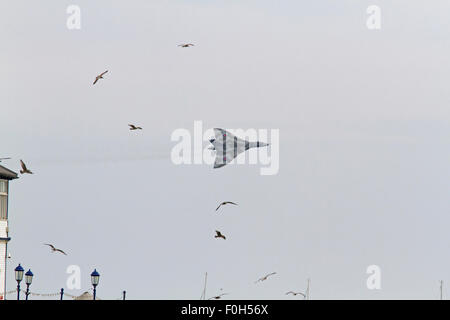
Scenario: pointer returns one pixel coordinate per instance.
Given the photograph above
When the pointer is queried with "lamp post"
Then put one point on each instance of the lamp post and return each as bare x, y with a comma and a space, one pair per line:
28, 280
19, 276
95, 277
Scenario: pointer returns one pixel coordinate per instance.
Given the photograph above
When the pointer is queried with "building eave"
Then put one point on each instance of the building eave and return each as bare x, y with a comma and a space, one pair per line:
7, 174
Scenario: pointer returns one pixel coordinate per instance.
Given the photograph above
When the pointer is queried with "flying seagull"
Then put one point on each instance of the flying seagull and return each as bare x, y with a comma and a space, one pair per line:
133, 127
219, 235
265, 277
228, 146
100, 76
4, 159
218, 297
296, 293
186, 45
24, 168
224, 203
55, 249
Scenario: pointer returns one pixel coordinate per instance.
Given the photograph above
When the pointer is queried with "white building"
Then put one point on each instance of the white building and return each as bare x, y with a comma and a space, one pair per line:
6, 175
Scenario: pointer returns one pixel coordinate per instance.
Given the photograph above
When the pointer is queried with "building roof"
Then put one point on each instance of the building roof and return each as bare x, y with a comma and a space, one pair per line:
7, 174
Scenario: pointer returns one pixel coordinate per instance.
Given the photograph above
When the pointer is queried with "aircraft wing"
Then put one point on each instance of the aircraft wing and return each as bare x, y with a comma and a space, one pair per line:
227, 146
223, 158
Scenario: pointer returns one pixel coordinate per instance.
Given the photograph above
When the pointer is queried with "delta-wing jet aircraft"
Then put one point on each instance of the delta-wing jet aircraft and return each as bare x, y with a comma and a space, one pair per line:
228, 146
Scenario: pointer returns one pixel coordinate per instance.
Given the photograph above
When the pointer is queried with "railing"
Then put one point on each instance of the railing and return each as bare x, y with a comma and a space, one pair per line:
5, 294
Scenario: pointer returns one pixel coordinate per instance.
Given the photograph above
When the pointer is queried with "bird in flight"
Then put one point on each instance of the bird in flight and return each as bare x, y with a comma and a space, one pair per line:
24, 168
100, 76
224, 203
133, 127
296, 293
55, 249
265, 277
186, 45
4, 159
219, 235
218, 297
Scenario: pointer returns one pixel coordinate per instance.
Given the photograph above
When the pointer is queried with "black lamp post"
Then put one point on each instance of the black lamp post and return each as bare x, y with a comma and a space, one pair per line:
19, 276
95, 277
28, 280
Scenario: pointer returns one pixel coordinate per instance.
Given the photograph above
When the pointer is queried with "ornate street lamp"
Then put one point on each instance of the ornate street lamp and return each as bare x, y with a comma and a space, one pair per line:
95, 277
19, 276
28, 280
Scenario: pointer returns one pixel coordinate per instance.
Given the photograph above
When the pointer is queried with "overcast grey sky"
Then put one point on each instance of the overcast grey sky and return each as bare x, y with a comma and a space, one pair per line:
364, 146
